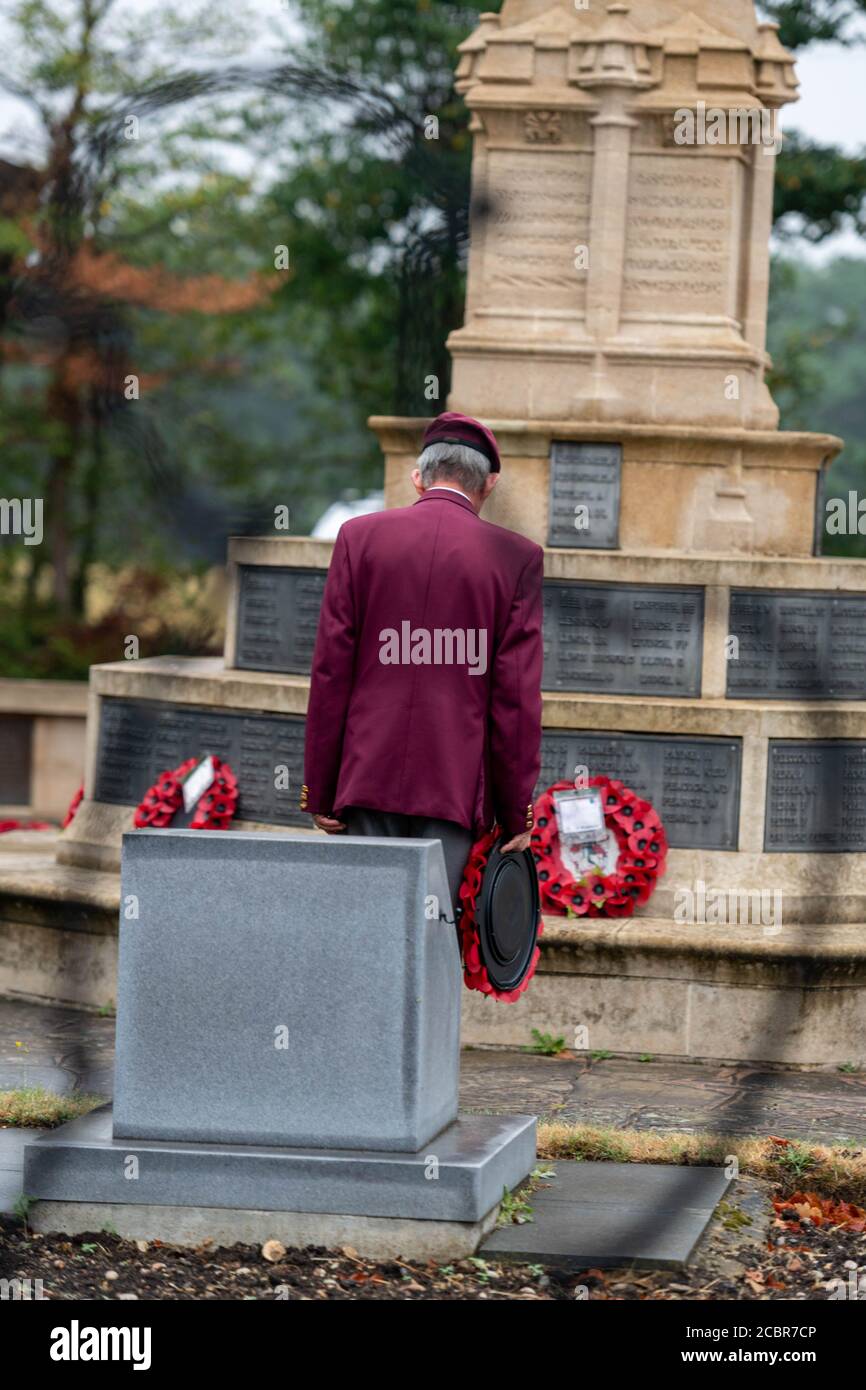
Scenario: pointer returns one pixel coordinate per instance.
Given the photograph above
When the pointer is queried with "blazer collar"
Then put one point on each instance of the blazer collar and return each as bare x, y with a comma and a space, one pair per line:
444, 495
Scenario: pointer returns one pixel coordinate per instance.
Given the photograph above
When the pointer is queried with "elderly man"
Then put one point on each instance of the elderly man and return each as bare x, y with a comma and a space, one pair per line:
425, 703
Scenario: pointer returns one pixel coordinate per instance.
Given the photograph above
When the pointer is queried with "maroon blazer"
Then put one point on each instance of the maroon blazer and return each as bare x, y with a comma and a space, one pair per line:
403, 721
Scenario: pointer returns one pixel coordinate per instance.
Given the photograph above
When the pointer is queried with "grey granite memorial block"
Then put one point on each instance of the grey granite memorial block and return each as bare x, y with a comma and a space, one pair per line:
286, 990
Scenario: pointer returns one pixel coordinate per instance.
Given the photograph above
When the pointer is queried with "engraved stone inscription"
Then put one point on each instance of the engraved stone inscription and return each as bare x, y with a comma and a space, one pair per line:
798, 646
816, 796
623, 639
278, 613
679, 236
694, 783
537, 214
139, 739
584, 495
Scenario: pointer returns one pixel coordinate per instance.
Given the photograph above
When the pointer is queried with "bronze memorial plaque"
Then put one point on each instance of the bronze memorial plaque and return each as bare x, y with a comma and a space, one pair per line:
139, 739
16, 740
278, 613
798, 646
693, 783
816, 796
584, 495
623, 639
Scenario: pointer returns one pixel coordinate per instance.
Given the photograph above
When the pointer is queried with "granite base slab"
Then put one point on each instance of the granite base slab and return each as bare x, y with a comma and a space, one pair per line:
374, 1237
458, 1176
603, 1214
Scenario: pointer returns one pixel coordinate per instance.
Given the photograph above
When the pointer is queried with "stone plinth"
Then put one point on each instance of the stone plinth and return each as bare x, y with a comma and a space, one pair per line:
692, 990
42, 733
243, 1018
614, 339
684, 489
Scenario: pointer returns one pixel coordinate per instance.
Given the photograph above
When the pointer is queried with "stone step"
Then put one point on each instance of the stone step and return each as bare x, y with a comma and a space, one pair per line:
208, 681
607, 566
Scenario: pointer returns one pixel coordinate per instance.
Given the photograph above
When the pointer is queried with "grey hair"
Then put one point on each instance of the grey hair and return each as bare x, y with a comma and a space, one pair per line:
454, 463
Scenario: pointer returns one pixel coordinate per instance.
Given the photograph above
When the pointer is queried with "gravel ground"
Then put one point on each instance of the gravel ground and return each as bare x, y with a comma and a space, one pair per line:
749, 1253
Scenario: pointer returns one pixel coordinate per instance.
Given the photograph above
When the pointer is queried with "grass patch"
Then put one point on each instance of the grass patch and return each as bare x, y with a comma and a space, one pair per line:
34, 1107
545, 1044
515, 1207
833, 1170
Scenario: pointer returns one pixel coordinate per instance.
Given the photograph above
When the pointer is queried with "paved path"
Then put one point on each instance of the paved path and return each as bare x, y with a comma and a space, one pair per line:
740, 1098
64, 1050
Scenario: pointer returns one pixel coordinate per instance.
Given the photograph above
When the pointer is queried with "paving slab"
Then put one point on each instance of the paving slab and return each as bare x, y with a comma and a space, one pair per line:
605, 1214
61, 1049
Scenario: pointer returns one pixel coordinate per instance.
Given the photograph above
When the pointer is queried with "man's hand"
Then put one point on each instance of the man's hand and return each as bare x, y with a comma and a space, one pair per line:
328, 824
515, 846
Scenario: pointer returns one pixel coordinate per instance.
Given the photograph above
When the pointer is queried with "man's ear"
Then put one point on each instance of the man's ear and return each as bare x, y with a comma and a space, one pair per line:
489, 484
416, 479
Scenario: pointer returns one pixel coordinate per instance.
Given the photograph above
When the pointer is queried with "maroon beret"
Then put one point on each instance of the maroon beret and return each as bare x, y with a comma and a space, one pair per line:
453, 428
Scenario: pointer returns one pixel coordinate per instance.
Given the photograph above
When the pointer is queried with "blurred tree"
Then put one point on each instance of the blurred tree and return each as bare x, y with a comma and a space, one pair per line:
802, 22
817, 335
819, 188
98, 79
381, 226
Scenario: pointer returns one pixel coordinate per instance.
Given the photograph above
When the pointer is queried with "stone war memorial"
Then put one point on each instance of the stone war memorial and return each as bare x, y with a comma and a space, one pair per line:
697, 647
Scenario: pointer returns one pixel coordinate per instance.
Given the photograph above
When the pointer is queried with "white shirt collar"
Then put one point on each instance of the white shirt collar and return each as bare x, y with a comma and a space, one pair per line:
443, 487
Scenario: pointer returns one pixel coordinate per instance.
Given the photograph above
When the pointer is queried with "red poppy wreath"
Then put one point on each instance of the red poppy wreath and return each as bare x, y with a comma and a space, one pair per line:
73, 808
214, 809
642, 846
474, 970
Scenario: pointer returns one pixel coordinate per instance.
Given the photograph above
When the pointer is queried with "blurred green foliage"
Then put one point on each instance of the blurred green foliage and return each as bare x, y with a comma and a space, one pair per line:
817, 337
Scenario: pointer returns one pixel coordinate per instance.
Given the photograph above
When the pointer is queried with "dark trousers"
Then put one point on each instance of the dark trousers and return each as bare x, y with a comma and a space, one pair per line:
456, 840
